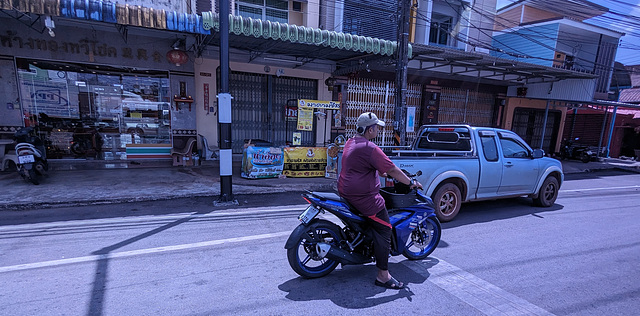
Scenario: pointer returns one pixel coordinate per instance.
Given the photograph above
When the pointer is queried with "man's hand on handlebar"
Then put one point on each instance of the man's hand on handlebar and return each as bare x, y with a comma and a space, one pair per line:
415, 184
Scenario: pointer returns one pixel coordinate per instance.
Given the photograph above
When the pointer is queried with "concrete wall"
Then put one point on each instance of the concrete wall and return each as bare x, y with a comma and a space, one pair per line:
530, 14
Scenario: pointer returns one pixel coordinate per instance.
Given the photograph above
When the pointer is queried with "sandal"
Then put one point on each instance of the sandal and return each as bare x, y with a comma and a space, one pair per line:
391, 284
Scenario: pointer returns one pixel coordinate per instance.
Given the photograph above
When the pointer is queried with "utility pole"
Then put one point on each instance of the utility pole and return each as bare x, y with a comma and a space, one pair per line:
224, 111
399, 124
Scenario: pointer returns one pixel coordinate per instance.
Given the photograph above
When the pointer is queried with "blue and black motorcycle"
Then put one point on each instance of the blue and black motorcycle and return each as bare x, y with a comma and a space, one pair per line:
316, 246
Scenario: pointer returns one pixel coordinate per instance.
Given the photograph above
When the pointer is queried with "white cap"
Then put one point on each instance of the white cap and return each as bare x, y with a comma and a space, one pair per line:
367, 119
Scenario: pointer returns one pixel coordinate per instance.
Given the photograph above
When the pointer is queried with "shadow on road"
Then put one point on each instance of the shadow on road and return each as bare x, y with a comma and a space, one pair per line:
96, 303
352, 286
596, 174
487, 211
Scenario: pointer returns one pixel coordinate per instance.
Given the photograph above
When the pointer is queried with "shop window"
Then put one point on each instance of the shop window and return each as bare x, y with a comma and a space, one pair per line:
83, 113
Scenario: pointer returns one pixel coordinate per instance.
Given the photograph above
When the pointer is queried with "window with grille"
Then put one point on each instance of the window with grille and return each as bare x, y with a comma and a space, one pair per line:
271, 10
440, 29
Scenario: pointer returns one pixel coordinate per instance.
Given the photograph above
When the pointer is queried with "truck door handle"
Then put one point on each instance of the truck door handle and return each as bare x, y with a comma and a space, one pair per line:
508, 164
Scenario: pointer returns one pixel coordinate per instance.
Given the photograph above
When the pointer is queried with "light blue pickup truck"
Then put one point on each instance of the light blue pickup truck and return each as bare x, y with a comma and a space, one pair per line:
460, 163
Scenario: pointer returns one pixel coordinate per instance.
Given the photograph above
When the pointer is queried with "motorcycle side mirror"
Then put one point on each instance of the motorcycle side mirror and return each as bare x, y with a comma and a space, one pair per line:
419, 173
538, 153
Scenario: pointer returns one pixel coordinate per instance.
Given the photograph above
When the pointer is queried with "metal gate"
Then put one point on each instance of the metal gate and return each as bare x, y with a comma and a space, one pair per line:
284, 89
258, 107
458, 106
366, 95
528, 124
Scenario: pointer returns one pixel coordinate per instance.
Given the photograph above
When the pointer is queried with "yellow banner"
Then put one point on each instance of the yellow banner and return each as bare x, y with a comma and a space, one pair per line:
332, 105
305, 161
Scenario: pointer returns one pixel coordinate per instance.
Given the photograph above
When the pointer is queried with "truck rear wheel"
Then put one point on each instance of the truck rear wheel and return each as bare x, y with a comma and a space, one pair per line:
447, 200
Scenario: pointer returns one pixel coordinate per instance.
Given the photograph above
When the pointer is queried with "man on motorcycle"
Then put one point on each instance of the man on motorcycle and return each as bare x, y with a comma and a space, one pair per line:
359, 184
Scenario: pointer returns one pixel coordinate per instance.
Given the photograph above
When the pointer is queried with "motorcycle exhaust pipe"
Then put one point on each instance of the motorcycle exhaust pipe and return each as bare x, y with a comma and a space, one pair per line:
40, 169
325, 250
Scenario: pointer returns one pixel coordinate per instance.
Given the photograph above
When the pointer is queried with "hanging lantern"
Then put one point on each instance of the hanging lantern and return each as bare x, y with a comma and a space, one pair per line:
177, 57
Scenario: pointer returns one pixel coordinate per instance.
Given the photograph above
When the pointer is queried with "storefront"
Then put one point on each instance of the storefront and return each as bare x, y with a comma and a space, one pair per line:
95, 93
84, 112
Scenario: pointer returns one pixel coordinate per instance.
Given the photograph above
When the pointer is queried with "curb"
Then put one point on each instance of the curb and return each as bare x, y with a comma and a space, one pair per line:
241, 192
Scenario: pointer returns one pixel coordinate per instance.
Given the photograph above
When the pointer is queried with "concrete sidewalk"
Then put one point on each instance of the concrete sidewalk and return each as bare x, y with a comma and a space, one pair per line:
91, 182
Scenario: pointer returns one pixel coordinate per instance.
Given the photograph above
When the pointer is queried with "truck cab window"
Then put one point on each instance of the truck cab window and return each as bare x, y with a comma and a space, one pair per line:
512, 149
489, 148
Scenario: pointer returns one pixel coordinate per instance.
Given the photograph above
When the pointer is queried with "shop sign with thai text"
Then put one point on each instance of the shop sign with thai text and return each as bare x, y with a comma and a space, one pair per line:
317, 104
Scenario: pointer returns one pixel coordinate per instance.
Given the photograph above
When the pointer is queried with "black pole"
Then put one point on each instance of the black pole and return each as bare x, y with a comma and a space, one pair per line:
224, 109
401, 70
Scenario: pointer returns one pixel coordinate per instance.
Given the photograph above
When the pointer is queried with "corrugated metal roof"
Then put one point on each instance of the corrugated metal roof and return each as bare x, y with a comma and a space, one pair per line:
471, 64
630, 95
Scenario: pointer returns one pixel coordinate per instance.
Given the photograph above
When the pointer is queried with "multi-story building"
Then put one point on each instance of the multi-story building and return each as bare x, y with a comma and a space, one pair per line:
554, 34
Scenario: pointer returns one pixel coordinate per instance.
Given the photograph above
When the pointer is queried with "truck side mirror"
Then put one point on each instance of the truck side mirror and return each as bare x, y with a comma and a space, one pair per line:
538, 153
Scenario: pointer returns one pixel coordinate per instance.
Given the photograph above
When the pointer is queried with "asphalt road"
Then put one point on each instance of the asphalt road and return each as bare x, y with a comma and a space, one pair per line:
185, 257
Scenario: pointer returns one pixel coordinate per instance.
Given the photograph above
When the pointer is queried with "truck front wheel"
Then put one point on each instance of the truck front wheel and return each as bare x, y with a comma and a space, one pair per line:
447, 200
548, 192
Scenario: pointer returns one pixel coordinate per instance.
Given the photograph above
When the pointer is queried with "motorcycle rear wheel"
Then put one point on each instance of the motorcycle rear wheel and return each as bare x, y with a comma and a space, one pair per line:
424, 239
33, 176
304, 259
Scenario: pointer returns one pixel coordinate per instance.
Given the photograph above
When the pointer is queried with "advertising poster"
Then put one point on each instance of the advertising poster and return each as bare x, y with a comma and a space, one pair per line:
331, 171
297, 139
305, 119
262, 162
305, 161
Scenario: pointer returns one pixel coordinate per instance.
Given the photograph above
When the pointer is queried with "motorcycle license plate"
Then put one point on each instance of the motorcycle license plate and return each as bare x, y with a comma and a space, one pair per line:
308, 214
26, 159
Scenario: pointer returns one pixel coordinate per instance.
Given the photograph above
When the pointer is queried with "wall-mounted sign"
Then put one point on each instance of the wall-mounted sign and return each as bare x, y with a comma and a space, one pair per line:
206, 96
317, 104
411, 119
292, 113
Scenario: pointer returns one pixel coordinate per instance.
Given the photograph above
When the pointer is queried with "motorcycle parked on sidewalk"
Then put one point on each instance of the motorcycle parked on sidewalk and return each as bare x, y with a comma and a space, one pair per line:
32, 158
317, 246
573, 150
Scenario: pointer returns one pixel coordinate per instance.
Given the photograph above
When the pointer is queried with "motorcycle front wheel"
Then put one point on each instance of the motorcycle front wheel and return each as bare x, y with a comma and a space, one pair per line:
424, 239
303, 257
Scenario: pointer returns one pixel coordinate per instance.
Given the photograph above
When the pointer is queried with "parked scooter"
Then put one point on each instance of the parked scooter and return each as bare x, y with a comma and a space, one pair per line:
316, 246
32, 157
572, 150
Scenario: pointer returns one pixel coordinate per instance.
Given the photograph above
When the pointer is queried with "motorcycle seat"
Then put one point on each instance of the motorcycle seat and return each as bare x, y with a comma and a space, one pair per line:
329, 196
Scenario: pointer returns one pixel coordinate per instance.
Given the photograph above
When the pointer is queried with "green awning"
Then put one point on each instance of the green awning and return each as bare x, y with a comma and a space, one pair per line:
239, 25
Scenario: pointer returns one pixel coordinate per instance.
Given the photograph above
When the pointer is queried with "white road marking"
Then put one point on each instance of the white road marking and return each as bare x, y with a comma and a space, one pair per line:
138, 252
148, 218
480, 294
600, 189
